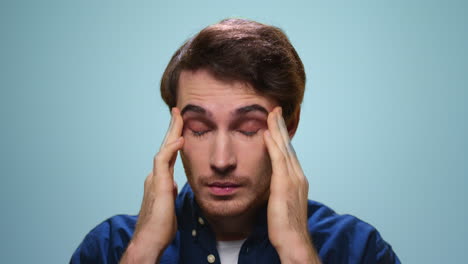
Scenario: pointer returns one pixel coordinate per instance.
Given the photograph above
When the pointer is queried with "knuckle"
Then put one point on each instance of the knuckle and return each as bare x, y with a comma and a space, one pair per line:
281, 158
303, 180
159, 157
306, 183
148, 179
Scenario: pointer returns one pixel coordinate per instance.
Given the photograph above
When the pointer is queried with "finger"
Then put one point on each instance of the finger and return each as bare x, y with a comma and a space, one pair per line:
274, 126
278, 160
283, 130
275, 132
168, 129
291, 153
163, 158
175, 128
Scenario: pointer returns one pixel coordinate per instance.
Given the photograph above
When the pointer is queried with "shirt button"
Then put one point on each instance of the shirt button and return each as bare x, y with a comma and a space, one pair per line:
194, 232
200, 220
211, 258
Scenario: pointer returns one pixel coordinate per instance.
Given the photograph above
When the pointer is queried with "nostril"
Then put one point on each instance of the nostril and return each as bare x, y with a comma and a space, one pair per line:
223, 170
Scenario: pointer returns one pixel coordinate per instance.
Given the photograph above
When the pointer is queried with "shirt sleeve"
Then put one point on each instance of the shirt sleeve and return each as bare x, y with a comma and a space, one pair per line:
347, 239
385, 254
107, 242
378, 251
92, 250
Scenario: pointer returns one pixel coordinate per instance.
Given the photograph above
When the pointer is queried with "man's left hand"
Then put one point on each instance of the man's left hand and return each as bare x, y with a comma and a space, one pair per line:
287, 205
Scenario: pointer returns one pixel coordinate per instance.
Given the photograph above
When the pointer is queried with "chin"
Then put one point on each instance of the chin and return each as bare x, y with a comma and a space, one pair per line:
224, 208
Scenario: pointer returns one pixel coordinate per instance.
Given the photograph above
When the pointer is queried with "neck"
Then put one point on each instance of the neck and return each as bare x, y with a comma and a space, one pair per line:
229, 228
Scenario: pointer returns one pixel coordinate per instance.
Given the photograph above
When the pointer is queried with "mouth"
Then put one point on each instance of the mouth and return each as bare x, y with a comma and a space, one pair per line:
223, 188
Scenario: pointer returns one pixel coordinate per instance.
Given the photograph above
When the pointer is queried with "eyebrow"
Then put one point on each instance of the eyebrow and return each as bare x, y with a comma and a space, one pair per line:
239, 111
193, 108
251, 108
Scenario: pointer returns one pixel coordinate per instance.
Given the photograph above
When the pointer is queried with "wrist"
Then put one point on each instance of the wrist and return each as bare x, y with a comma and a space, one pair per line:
298, 250
139, 251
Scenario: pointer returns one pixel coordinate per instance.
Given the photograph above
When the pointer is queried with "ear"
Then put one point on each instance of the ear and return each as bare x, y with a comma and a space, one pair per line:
293, 123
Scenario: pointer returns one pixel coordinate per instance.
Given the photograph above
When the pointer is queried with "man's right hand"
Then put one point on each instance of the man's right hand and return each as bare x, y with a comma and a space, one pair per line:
157, 222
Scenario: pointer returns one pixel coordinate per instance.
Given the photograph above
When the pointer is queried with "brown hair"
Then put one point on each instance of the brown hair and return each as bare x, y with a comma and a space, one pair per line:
242, 50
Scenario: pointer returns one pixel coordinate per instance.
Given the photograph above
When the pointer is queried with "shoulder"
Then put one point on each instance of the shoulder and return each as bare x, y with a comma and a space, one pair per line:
346, 238
106, 242
324, 220
118, 229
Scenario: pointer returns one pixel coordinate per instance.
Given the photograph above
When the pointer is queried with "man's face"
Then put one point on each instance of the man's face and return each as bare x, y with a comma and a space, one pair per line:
224, 154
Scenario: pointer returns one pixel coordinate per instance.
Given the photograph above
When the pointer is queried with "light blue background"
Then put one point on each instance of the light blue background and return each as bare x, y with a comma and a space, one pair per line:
383, 134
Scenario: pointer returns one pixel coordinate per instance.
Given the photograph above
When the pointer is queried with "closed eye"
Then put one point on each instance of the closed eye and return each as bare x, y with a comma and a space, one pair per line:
199, 133
250, 127
248, 133
197, 128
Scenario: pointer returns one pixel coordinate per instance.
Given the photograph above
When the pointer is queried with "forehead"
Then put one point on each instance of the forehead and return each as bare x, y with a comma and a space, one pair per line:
202, 89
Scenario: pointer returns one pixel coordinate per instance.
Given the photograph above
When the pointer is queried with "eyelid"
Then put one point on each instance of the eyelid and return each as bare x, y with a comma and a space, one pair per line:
251, 125
197, 127
249, 133
253, 122
199, 119
199, 133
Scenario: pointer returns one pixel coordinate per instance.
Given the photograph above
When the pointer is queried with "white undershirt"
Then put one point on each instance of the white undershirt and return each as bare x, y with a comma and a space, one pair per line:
229, 251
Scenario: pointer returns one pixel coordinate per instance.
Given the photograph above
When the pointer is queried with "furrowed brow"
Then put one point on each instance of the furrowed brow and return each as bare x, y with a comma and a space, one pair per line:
251, 108
193, 108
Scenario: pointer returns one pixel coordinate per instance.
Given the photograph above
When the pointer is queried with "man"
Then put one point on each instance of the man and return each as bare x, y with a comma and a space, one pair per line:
234, 91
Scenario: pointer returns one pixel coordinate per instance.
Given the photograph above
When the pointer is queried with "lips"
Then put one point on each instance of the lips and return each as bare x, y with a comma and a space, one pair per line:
223, 188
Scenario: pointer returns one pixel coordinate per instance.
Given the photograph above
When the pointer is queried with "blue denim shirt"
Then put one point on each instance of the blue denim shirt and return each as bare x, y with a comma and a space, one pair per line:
337, 238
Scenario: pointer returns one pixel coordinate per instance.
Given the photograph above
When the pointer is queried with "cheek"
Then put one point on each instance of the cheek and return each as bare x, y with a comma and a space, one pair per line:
254, 147
253, 156
195, 152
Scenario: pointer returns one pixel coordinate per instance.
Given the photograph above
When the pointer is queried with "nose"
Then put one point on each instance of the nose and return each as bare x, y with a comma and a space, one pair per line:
223, 159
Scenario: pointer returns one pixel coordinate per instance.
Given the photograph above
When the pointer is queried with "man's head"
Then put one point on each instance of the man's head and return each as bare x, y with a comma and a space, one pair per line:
245, 51
226, 79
